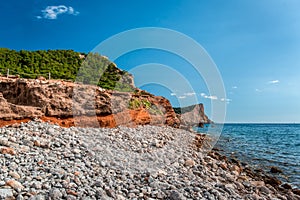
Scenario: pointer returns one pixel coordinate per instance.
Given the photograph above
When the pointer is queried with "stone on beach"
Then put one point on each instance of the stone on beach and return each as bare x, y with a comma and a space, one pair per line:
14, 174
15, 185
122, 163
189, 163
7, 150
6, 193
275, 170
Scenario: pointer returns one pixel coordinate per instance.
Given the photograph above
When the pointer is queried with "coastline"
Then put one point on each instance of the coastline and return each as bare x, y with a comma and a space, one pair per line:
43, 160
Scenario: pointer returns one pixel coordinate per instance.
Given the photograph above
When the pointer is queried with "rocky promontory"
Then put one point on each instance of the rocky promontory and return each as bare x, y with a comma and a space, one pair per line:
191, 116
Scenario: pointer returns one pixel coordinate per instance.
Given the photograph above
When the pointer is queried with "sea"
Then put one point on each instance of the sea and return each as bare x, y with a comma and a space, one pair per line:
262, 146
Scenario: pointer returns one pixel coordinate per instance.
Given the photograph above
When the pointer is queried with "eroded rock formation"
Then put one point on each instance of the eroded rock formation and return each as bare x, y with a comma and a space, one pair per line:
69, 104
192, 116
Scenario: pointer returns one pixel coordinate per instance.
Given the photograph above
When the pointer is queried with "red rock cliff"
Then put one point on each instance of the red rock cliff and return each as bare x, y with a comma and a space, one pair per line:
70, 104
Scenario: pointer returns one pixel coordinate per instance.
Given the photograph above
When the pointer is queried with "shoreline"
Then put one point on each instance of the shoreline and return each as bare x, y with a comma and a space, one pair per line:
261, 147
277, 173
160, 163
258, 173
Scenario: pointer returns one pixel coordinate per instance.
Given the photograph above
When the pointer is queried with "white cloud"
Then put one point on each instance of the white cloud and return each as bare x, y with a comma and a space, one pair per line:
173, 94
234, 87
211, 97
273, 81
190, 93
226, 100
258, 90
208, 96
51, 12
181, 97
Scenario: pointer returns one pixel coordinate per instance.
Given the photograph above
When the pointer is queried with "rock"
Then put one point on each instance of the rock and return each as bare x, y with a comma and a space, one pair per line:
20, 197
70, 197
239, 185
272, 181
257, 183
15, 185
110, 193
50, 131
175, 195
153, 174
275, 170
192, 116
286, 186
264, 189
161, 173
243, 178
46, 186
76, 173
6, 193
120, 197
72, 192
14, 175
2, 183
59, 101
7, 150
76, 151
103, 164
4, 142
159, 144
37, 197
189, 163
247, 184
235, 168
131, 195
296, 191
223, 166
55, 194
36, 185
37, 143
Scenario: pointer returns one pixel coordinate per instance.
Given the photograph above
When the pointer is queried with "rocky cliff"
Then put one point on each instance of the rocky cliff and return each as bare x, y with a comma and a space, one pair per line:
68, 104
192, 116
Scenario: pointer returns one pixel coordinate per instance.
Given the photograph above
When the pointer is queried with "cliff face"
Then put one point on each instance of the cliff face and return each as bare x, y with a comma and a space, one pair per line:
192, 116
69, 104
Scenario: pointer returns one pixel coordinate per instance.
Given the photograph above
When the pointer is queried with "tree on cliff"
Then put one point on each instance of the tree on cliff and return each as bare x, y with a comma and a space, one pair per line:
64, 64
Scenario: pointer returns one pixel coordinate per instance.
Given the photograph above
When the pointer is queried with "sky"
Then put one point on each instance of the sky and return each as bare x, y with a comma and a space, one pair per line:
254, 44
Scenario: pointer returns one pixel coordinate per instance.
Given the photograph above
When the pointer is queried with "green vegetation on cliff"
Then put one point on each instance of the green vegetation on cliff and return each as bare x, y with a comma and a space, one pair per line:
89, 68
136, 103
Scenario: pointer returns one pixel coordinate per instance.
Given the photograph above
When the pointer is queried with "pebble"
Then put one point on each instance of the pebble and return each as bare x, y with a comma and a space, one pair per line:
175, 195
2, 183
14, 175
37, 197
5, 193
189, 163
7, 150
15, 185
146, 162
36, 185
264, 190
55, 194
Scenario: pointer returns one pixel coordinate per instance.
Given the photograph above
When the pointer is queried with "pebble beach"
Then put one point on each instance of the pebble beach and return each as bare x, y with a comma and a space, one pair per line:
40, 161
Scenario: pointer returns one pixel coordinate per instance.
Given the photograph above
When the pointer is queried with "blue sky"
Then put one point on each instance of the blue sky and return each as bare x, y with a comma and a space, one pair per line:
255, 44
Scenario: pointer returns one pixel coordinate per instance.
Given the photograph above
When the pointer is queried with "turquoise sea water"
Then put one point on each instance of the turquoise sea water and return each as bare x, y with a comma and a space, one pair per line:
264, 145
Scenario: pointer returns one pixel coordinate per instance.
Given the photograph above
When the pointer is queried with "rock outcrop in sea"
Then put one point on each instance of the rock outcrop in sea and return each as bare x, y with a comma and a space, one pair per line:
191, 116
